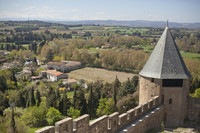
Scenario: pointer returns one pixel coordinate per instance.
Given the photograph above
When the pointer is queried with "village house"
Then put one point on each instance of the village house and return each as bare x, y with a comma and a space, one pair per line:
36, 78
56, 65
69, 81
53, 75
27, 69
10, 65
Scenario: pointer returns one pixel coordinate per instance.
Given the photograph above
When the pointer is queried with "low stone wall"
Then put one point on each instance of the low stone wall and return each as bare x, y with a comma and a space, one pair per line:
108, 124
194, 109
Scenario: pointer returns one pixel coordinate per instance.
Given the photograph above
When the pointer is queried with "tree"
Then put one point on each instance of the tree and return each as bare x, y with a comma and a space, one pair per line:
31, 97
106, 107
81, 102
49, 56
134, 82
197, 93
20, 100
74, 113
51, 100
4, 102
53, 116
75, 98
35, 116
57, 94
126, 103
38, 98
64, 104
3, 84
91, 103
116, 87
12, 123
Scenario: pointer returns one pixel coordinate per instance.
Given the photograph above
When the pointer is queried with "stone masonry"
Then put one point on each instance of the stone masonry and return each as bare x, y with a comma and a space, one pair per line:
147, 116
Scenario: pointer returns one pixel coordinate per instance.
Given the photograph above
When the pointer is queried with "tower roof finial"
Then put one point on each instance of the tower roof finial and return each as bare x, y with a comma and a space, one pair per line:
167, 23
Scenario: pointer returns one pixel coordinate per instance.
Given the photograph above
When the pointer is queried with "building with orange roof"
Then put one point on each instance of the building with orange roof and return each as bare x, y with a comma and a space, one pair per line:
53, 75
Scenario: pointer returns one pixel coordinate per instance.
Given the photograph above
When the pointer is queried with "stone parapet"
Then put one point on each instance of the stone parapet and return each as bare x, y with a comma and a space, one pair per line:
107, 124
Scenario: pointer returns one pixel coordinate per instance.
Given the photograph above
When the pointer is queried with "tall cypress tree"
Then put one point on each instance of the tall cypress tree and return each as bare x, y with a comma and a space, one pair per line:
31, 97
64, 104
82, 104
116, 86
51, 100
75, 98
57, 94
91, 103
38, 98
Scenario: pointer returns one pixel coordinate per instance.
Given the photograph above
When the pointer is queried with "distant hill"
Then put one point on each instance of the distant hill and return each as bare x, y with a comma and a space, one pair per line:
135, 23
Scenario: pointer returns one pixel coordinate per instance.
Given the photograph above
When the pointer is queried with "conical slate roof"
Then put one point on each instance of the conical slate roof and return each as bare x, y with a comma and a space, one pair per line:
165, 62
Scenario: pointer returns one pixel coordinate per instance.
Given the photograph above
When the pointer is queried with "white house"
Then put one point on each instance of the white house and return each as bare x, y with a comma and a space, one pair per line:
53, 75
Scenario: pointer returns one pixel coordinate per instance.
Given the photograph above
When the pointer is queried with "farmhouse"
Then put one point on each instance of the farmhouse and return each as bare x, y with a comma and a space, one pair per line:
53, 75
56, 65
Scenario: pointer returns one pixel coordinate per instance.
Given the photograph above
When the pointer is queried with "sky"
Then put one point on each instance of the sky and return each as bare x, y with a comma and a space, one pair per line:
184, 11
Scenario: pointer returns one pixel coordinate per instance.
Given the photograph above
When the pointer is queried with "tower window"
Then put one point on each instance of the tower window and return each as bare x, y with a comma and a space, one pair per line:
152, 80
170, 101
172, 83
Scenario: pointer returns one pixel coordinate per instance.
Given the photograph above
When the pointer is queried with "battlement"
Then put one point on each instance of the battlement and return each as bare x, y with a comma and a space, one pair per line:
104, 124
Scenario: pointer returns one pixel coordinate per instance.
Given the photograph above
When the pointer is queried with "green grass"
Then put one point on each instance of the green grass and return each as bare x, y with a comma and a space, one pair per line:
32, 130
87, 28
70, 94
94, 50
190, 55
128, 30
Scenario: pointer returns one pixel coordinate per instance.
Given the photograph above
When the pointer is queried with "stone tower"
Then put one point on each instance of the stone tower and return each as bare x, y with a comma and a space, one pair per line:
165, 75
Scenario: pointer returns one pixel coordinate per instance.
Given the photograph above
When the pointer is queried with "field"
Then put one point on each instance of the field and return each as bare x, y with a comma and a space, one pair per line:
190, 55
94, 74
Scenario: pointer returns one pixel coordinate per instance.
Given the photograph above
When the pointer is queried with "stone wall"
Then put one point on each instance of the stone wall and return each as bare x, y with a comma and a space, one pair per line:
149, 88
110, 123
194, 109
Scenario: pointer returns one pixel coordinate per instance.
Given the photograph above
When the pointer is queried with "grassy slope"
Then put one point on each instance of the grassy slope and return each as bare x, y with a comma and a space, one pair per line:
94, 74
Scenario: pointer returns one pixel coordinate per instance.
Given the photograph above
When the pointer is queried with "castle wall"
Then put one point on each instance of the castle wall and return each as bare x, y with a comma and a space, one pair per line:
148, 89
148, 121
112, 123
194, 109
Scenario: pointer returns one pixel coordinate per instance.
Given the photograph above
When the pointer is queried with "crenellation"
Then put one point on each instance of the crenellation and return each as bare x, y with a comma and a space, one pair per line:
131, 115
64, 125
113, 122
99, 125
123, 120
106, 124
81, 124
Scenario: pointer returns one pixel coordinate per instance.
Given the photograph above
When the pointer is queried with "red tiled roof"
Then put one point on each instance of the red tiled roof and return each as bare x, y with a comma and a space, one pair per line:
70, 80
54, 72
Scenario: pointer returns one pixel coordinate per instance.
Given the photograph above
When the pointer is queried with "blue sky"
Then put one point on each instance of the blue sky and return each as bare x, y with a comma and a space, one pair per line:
153, 10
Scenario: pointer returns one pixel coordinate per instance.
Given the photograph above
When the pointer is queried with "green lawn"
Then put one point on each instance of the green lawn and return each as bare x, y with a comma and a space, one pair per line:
70, 94
190, 55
